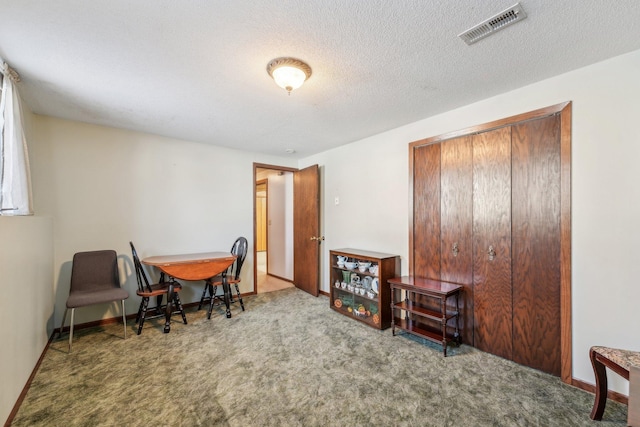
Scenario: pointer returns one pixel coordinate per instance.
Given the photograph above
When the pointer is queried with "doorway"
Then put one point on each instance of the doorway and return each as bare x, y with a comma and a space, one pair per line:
273, 189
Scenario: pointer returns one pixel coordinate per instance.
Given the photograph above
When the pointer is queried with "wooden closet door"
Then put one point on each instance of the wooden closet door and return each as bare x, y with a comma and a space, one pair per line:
492, 233
536, 243
426, 219
456, 204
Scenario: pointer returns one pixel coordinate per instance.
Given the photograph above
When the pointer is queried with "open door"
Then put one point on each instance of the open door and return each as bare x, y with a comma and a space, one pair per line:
306, 230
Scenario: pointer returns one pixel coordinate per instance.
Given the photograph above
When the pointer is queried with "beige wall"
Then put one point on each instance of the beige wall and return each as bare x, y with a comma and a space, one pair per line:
105, 187
26, 307
371, 179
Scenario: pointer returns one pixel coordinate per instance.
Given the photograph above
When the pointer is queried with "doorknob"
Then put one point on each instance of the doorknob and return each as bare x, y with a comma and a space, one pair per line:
491, 253
319, 238
455, 249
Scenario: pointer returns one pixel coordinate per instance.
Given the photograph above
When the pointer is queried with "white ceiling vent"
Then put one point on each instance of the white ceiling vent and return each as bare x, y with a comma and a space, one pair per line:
493, 24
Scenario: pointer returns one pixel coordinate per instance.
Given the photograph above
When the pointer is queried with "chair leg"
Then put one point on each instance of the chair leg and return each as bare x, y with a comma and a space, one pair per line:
226, 289
139, 311
239, 297
213, 291
210, 309
601, 387
124, 320
144, 303
176, 300
64, 317
73, 311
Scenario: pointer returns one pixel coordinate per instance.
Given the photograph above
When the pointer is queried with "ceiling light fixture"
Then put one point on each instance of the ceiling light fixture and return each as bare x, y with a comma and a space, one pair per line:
288, 73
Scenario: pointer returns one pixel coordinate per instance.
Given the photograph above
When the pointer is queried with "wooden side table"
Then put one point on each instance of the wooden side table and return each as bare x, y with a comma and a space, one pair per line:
429, 321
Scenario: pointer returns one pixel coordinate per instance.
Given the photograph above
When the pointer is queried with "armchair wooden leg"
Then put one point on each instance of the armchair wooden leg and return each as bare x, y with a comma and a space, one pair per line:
601, 387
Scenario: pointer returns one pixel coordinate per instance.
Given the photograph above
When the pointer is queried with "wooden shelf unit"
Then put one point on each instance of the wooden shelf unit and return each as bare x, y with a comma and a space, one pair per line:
426, 308
375, 312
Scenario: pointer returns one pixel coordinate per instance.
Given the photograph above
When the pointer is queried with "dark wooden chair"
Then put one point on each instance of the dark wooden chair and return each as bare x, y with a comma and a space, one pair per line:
94, 280
619, 361
157, 290
229, 277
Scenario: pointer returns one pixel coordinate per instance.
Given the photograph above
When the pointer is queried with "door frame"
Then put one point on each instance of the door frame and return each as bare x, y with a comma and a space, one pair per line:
266, 218
257, 166
565, 111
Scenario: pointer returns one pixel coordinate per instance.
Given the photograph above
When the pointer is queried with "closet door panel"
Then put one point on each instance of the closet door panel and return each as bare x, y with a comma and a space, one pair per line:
536, 243
492, 242
426, 202
456, 178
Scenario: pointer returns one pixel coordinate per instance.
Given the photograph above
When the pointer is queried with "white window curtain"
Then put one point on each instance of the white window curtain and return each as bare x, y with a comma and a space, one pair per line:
15, 177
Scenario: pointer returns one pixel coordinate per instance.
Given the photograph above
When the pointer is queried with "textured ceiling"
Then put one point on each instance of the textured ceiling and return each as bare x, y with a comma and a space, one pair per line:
196, 70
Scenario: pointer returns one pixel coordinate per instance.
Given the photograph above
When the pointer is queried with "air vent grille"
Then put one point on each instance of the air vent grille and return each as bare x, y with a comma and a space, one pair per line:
493, 24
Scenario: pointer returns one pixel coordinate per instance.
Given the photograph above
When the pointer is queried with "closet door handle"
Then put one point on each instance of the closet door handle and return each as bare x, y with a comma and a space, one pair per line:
491, 253
455, 249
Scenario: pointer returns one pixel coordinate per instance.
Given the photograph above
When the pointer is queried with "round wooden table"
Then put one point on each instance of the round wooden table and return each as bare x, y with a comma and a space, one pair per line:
197, 266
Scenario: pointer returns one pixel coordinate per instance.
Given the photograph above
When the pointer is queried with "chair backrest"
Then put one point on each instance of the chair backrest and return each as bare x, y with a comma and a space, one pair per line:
94, 270
239, 249
141, 277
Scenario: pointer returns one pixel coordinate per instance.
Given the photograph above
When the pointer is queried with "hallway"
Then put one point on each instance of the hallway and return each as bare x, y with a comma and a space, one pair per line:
268, 283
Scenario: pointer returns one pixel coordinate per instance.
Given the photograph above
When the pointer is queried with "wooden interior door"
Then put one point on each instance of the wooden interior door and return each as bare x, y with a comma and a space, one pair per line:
492, 242
306, 230
456, 222
426, 211
536, 243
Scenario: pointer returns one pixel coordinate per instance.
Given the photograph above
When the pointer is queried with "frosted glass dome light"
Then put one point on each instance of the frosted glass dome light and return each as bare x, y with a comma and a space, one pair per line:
288, 73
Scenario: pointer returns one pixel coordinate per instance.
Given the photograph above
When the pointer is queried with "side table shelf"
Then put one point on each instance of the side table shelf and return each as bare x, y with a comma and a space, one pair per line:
426, 310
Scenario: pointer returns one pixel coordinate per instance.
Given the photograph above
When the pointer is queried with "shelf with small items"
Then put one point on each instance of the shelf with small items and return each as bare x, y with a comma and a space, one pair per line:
426, 309
358, 285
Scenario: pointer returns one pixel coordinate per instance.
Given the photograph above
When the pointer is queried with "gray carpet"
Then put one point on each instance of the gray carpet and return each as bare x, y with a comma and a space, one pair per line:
289, 361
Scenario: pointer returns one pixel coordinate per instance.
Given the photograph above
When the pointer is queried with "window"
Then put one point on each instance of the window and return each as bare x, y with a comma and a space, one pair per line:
15, 178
